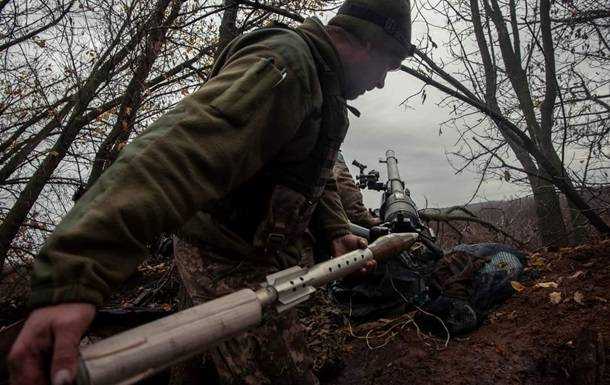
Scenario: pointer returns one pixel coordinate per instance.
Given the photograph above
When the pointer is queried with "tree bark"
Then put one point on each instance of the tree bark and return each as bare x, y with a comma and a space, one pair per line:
551, 227
228, 29
9, 146
134, 93
17, 160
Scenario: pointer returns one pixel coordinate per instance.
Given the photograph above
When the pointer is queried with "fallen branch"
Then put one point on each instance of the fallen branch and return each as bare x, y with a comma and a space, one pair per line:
460, 218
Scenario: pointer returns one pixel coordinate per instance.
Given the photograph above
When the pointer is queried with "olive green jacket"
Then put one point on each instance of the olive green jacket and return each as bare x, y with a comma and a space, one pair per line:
351, 197
262, 104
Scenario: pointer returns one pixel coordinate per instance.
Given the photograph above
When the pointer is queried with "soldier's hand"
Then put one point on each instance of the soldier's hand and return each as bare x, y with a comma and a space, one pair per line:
350, 242
49, 340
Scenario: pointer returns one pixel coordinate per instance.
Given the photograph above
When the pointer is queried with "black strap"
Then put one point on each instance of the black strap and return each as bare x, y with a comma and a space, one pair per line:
353, 110
389, 25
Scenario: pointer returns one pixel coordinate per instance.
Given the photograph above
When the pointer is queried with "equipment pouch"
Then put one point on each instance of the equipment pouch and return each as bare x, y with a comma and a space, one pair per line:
287, 219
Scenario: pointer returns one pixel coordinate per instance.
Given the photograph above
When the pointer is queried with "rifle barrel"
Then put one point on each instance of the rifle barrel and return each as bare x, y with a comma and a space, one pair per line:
394, 180
398, 208
359, 230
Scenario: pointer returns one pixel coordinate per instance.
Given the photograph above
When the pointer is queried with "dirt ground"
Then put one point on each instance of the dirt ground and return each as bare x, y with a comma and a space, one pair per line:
555, 330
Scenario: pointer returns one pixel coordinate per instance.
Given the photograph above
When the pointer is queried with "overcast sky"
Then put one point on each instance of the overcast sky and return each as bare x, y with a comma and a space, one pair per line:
414, 134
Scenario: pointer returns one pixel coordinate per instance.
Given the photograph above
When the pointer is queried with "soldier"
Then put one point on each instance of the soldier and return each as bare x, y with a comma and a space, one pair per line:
351, 197
459, 289
240, 168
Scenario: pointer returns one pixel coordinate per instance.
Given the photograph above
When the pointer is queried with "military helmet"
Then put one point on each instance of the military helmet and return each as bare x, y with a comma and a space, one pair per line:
384, 23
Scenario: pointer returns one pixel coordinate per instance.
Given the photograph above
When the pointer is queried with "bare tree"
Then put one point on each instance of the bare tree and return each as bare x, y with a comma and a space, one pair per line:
505, 64
45, 16
85, 78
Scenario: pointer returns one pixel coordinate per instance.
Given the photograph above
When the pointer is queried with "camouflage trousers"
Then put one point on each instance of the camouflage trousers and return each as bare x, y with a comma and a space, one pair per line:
273, 353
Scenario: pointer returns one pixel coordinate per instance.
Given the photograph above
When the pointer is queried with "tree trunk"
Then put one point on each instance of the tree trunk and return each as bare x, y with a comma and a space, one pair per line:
549, 217
21, 156
551, 225
228, 29
578, 225
134, 94
578, 230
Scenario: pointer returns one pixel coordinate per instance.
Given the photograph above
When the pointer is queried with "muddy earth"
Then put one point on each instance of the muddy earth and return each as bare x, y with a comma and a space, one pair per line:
555, 330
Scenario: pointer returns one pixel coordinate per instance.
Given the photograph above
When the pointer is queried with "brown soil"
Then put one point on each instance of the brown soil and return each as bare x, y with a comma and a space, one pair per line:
528, 340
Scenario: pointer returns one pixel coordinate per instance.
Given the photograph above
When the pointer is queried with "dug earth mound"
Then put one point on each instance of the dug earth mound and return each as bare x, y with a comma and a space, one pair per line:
554, 330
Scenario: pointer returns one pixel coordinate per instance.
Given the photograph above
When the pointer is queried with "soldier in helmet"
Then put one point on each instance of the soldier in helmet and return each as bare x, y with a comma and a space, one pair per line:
238, 169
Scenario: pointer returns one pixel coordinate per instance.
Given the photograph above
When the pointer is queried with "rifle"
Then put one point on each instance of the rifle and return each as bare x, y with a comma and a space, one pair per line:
397, 211
138, 353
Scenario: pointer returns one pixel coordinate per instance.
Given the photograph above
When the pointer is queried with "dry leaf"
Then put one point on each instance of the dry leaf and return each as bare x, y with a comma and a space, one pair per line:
537, 260
500, 349
555, 297
576, 275
547, 285
579, 297
517, 286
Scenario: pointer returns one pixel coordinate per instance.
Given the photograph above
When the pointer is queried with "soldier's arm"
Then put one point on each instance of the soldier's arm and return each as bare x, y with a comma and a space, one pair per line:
211, 142
330, 218
350, 195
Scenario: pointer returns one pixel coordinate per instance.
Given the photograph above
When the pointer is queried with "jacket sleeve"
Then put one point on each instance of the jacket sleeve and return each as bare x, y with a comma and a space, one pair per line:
214, 139
350, 195
329, 217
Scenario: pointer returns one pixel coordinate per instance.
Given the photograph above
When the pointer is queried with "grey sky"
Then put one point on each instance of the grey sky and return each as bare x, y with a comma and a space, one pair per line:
414, 135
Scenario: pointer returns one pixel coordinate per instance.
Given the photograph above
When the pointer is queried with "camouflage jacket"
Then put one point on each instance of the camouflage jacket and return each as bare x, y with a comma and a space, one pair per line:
262, 105
350, 194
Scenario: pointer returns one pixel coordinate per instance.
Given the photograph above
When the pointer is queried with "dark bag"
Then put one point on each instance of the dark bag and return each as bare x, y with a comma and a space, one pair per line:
395, 286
